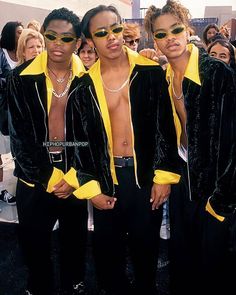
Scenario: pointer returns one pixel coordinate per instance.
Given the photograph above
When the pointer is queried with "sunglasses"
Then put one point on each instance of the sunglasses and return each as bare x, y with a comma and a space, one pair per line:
163, 34
101, 33
55, 37
131, 42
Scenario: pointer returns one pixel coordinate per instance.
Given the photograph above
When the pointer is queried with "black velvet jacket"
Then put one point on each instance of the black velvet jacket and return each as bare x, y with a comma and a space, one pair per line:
211, 132
28, 121
155, 143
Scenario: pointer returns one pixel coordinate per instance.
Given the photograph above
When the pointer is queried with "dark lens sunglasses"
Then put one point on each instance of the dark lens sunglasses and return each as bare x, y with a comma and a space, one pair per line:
161, 34
131, 42
63, 38
104, 32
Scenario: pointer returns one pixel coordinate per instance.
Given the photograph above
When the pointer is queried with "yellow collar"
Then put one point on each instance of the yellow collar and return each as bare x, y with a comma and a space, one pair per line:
39, 65
192, 70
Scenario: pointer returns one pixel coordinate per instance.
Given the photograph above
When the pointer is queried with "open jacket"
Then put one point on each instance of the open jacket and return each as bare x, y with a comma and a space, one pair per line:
153, 132
210, 100
29, 93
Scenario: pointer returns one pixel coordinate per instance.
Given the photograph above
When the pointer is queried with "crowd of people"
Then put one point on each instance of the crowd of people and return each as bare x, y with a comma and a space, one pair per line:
110, 137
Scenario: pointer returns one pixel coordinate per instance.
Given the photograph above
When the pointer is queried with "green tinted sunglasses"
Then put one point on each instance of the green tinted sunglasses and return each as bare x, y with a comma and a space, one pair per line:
55, 37
163, 34
101, 33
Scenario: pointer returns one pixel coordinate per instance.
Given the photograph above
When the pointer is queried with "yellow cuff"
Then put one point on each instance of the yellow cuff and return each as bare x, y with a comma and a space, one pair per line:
88, 190
71, 178
165, 177
210, 210
56, 177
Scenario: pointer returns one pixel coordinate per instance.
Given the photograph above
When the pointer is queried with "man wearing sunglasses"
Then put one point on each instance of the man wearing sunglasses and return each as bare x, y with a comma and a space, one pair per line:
40, 93
202, 205
131, 158
132, 35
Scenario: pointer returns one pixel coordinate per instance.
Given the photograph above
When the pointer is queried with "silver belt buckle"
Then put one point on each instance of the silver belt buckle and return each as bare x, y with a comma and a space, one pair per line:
60, 159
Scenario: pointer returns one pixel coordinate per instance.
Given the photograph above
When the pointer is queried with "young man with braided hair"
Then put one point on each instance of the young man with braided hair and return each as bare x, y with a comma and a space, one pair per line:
202, 205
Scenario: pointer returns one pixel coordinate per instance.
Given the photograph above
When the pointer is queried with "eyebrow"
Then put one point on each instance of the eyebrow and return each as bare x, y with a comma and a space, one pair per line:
107, 27
63, 33
172, 26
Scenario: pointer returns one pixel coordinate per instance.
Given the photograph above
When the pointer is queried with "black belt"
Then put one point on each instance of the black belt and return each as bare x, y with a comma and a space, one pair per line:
57, 157
123, 162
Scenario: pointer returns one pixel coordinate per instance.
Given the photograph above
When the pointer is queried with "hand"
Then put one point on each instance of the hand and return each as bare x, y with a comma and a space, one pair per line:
63, 190
103, 202
149, 53
159, 194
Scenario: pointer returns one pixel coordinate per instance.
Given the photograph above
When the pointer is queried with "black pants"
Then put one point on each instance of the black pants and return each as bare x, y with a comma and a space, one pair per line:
132, 223
38, 212
200, 260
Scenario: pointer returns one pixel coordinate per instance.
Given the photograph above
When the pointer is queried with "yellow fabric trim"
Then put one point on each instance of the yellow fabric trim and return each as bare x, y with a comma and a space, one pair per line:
39, 66
88, 190
192, 73
57, 176
210, 210
27, 183
178, 128
165, 177
192, 69
71, 178
95, 74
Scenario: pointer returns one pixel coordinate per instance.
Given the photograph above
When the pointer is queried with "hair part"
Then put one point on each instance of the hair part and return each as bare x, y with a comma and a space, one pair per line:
171, 7
85, 24
63, 14
8, 35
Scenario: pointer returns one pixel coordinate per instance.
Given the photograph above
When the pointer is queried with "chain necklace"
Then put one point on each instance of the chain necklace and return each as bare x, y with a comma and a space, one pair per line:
115, 90
60, 95
173, 90
59, 80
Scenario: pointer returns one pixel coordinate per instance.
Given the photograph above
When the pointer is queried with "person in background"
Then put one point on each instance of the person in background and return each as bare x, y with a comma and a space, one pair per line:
132, 35
202, 206
39, 93
8, 60
223, 50
34, 25
87, 54
209, 32
9, 40
30, 44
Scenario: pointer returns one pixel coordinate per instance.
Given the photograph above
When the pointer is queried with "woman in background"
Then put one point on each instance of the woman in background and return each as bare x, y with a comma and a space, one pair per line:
30, 44
87, 54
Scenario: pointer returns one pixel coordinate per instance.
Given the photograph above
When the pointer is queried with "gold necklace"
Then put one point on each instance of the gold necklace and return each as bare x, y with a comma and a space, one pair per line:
173, 89
115, 90
59, 80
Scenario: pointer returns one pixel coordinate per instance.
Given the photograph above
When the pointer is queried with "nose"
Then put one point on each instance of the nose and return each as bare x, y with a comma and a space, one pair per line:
111, 35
